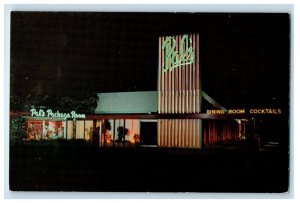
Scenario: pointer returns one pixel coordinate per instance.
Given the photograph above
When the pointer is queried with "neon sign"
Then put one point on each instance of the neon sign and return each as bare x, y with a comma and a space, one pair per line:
50, 114
185, 56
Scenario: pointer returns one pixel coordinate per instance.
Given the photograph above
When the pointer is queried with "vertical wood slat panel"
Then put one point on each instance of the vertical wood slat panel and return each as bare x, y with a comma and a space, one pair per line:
185, 135
176, 110
183, 79
166, 89
169, 132
194, 78
180, 83
169, 85
162, 80
194, 133
172, 90
173, 133
182, 132
182, 68
186, 79
179, 133
179, 92
190, 83
165, 122
197, 76
191, 133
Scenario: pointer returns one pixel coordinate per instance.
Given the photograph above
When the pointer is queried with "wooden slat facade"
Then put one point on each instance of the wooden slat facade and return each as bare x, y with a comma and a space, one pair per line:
179, 93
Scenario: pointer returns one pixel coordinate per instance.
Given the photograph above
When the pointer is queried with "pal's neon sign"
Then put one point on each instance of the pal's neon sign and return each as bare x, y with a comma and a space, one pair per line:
51, 114
184, 56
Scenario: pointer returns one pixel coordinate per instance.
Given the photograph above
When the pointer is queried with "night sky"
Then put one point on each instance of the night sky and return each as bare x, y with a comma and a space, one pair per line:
244, 57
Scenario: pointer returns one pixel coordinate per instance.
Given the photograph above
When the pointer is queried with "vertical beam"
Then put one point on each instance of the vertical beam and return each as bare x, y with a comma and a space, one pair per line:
166, 91
198, 88
194, 133
179, 132
186, 132
182, 132
169, 132
179, 83
175, 133
176, 80
169, 85
162, 131
191, 133
163, 81
186, 84
172, 87
172, 132
183, 88
194, 78
166, 132
190, 82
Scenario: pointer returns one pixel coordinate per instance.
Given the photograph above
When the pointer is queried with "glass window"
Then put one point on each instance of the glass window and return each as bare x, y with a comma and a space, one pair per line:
88, 130
70, 130
34, 129
120, 132
132, 130
45, 129
107, 130
54, 129
79, 129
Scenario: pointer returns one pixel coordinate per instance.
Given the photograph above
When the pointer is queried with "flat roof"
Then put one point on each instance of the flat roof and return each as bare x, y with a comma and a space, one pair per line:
127, 102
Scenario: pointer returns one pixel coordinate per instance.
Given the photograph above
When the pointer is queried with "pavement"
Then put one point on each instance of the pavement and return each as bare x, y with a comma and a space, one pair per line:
79, 166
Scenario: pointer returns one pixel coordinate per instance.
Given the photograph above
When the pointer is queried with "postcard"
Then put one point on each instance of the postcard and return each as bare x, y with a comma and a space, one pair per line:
149, 102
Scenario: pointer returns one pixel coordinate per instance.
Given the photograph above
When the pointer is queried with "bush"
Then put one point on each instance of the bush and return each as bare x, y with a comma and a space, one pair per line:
17, 129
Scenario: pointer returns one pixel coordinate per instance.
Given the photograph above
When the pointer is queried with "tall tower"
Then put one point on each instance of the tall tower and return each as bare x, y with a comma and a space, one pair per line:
179, 90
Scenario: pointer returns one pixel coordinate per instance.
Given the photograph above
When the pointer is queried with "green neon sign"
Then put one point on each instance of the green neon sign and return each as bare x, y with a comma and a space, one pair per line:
185, 56
51, 114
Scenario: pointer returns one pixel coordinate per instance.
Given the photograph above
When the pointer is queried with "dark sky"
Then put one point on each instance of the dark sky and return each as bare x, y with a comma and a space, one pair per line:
244, 57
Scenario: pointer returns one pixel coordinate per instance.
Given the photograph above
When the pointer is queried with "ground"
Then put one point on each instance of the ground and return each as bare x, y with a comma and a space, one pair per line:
79, 166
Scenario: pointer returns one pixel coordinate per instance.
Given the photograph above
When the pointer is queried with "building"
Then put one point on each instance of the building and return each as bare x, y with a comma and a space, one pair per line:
122, 120
171, 117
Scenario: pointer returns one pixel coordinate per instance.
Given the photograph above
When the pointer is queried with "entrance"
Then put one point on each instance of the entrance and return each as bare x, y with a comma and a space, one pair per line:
148, 133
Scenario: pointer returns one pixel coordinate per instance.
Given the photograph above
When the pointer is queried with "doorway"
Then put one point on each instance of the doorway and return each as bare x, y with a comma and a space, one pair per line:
148, 133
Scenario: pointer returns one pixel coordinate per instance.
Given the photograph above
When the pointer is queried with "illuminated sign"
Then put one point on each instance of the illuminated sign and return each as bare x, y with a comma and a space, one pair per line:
185, 56
50, 114
243, 111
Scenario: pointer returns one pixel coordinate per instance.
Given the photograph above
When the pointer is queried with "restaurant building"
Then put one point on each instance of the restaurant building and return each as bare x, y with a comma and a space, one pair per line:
173, 116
